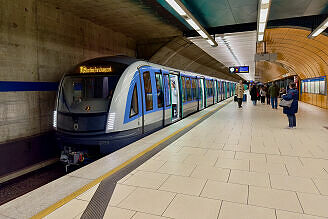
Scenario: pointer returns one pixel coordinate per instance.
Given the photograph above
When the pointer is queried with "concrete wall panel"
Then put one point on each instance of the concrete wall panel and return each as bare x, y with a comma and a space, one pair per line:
39, 42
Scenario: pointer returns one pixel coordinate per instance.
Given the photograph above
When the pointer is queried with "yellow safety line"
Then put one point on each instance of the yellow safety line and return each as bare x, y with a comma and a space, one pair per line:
78, 192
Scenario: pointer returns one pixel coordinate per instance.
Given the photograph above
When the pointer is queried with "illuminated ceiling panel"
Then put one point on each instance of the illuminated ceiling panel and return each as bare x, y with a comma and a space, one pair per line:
241, 52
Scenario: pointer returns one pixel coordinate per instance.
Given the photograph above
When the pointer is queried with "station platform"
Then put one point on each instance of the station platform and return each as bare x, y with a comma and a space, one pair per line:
222, 162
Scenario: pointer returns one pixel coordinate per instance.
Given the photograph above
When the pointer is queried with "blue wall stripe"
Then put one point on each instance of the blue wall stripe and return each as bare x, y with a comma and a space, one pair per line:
8, 86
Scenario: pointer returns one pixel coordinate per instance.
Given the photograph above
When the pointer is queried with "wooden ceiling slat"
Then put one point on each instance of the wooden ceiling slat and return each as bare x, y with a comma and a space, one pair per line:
307, 57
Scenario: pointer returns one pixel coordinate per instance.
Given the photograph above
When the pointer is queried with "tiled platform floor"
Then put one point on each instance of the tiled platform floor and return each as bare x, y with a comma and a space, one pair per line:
239, 163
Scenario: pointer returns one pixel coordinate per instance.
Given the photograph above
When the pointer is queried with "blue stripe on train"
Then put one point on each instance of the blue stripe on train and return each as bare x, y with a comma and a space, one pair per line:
9, 86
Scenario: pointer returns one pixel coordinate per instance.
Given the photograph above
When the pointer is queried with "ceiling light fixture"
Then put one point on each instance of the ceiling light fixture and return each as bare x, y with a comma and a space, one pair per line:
262, 18
179, 7
226, 43
260, 37
193, 24
176, 7
200, 32
322, 27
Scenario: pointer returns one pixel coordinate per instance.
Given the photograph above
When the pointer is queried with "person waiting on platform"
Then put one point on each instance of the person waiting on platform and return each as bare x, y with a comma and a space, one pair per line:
274, 92
262, 94
267, 94
253, 92
292, 94
240, 93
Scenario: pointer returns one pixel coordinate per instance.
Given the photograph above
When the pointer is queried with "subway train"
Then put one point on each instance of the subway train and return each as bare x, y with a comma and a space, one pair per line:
106, 103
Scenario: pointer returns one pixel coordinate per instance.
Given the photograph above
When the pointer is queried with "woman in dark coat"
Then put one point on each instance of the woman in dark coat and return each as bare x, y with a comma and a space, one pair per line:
292, 94
253, 92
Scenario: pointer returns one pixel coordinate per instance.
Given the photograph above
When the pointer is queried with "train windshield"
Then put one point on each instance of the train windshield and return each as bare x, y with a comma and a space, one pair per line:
87, 94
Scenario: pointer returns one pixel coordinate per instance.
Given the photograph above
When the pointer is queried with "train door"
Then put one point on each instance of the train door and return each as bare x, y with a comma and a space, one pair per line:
221, 90
175, 97
225, 90
160, 109
202, 93
167, 99
216, 91
213, 90
152, 99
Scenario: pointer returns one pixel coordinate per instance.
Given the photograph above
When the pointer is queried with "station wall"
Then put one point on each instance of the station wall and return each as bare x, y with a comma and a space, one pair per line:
39, 43
315, 99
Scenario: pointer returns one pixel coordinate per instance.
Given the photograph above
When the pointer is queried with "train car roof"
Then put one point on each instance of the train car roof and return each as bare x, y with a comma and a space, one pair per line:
126, 60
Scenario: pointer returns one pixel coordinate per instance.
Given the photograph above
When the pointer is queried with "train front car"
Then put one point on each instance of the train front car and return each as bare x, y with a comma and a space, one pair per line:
82, 118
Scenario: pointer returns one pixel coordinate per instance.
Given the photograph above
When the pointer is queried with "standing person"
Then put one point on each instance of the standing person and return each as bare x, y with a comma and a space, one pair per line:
292, 94
274, 93
262, 94
174, 100
267, 94
240, 93
253, 92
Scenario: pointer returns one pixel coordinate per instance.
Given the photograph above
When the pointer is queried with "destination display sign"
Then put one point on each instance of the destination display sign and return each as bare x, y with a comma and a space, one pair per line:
239, 69
87, 69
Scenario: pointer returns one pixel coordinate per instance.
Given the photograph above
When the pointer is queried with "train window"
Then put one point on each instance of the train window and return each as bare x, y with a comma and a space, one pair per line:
188, 86
77, 92
148, 91
183, 81
208, 88
134, 102
167, 90
159, 88
194, 89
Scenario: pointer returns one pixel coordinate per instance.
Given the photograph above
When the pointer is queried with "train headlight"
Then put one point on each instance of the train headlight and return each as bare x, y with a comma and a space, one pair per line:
54, 123
110, 122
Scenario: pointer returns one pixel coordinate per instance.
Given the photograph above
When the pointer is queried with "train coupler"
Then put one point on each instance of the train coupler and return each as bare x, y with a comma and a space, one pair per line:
70, 157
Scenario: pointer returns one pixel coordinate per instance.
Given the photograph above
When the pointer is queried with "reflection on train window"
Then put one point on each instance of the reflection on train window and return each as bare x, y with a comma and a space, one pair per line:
148, 91
194, 89
86, 94
209, 86
134, 102
159, 88
183, 81
188, 86
167, 90
217, 90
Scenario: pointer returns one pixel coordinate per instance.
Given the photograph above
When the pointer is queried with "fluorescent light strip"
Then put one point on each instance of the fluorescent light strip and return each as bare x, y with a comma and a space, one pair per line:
225, 42
175, 4
263, 15
210, 42
200, 32
325, 25
261, 27
262, 18
176, 7
193, 24
260, 37
322, 27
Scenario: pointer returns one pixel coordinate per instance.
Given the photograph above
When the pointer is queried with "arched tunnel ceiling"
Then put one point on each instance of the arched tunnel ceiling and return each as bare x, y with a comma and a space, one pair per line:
297, 54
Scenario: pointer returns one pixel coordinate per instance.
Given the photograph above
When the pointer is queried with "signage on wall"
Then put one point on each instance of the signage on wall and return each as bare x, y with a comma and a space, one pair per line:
239, 69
